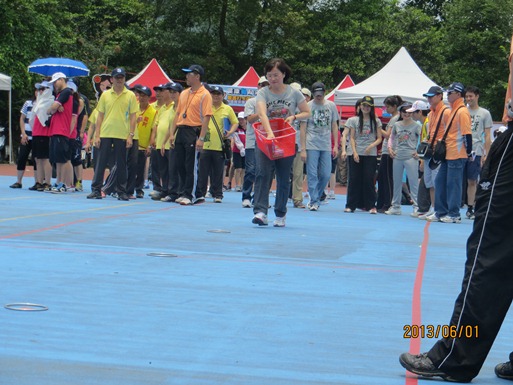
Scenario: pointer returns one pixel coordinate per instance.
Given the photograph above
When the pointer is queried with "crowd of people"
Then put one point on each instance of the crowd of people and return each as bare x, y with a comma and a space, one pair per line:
186, 139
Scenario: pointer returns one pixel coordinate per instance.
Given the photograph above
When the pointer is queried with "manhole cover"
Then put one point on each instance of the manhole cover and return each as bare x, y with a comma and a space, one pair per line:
168, 255
26, 307
219, 231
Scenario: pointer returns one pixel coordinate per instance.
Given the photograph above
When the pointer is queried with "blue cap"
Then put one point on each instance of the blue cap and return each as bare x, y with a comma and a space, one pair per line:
216, 89
195, 68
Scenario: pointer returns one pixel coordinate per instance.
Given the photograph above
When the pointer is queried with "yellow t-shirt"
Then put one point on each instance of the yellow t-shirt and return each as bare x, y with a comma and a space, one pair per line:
93, 116
117, 110
165, 116
212, 140
145, 120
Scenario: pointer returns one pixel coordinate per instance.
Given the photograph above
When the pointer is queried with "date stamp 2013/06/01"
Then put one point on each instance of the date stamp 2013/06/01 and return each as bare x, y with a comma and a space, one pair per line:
440, 331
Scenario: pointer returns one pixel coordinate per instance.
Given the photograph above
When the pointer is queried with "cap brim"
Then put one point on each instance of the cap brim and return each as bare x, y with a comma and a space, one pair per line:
429, 95
369, 104
411, 110
187, 70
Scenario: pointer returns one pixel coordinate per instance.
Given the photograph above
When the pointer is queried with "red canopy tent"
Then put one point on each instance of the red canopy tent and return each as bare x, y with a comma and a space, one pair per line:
249, 79
152, 75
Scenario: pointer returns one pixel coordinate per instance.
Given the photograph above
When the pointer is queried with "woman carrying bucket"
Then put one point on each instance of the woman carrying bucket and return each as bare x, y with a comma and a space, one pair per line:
278, 100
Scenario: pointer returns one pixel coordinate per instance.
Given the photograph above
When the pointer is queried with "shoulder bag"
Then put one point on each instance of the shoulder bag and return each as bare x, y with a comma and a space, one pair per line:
226, 143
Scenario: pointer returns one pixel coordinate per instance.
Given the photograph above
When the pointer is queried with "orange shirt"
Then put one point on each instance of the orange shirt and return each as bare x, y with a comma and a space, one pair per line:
434, 117
460, 126
196, 105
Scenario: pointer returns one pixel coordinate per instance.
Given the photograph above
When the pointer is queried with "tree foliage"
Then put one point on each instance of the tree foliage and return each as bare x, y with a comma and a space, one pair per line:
456, 40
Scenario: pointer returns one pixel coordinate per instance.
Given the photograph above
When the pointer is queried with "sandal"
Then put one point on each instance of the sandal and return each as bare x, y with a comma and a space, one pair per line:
348, 210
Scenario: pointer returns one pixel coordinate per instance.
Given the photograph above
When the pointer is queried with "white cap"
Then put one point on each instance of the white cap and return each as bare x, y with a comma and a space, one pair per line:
73, 86
306, 91
57, 76
262, 79
296, 86
418, 105
240, 115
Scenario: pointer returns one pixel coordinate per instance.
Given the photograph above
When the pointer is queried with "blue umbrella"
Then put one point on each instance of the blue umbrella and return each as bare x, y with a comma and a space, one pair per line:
51, 65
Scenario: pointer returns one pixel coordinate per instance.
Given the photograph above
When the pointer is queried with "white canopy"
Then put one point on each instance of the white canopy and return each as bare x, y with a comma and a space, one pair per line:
5, 85
400, 76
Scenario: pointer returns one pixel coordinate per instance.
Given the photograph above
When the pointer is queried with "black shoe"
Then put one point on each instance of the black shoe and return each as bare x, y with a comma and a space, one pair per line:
504, 370
139, 195
36, 187
123, 197
16, 185
95, 195
423, 366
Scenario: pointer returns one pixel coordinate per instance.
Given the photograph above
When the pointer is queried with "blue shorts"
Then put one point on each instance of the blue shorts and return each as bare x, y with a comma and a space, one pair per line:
474, 168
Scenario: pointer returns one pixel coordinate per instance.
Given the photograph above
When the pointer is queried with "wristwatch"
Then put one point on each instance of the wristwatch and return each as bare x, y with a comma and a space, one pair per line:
131, 134
202, 138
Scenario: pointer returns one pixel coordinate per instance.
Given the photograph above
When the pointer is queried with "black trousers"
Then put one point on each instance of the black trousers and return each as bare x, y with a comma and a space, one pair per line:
487, 289
175, 183
423, 197
185, 153
361, 191
385, 182
118, 148
211, 163
131, 165
154, 165
163, 166
23, 156
141, 166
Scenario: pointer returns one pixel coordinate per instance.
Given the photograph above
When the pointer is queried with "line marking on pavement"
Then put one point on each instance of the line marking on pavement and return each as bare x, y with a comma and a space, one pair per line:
416, 306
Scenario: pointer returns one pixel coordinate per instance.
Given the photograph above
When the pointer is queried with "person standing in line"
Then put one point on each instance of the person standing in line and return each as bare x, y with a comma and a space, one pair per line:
145, 120
438, 120
188, 130
402, 147
420, 110
279, 100
385, 170
249, 175
62, 110
114, 131
481, 140
449, 181
316, 148
365, 136
487, 288
211, 161
26, 143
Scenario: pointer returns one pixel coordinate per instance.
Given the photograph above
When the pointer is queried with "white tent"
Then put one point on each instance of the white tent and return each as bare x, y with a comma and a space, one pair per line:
400, 76
5, 85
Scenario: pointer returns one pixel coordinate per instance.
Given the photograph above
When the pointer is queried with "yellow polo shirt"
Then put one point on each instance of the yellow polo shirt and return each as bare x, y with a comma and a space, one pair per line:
145, 120
212, 140
165, 116
117, 110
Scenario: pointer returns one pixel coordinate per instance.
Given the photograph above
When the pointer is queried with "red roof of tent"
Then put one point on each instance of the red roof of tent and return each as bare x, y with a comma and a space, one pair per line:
249, 79
152, 75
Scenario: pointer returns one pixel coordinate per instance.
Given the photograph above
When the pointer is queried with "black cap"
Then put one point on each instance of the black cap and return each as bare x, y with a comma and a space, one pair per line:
216, 89
142, 89
368, 100
176, 87
435, 90
195, 68
165, 86
456, 87
318, 87
118, 71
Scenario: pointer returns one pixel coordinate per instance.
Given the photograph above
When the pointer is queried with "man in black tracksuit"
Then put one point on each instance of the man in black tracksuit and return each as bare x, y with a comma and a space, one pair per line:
487, 289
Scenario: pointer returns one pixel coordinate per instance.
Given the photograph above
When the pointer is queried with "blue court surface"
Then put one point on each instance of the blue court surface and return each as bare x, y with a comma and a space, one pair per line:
145, 292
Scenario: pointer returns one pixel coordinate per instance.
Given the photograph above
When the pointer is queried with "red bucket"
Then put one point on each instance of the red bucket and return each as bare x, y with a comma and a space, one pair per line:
282, 145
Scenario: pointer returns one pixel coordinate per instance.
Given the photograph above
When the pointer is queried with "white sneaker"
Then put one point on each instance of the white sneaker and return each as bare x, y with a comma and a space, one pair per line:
279, 222
260, 219
448, 219
331, 195
246, 203
218, 200
179, 199
424, 216
415, 213
393, 211
313, 207
186, 202
432, 218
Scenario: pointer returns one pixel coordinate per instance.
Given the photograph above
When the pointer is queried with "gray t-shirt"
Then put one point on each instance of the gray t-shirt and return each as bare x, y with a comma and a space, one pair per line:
481, 119
366, 137
405, 139
392, 121
318, 126
347, 128
280, 105
250, 109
